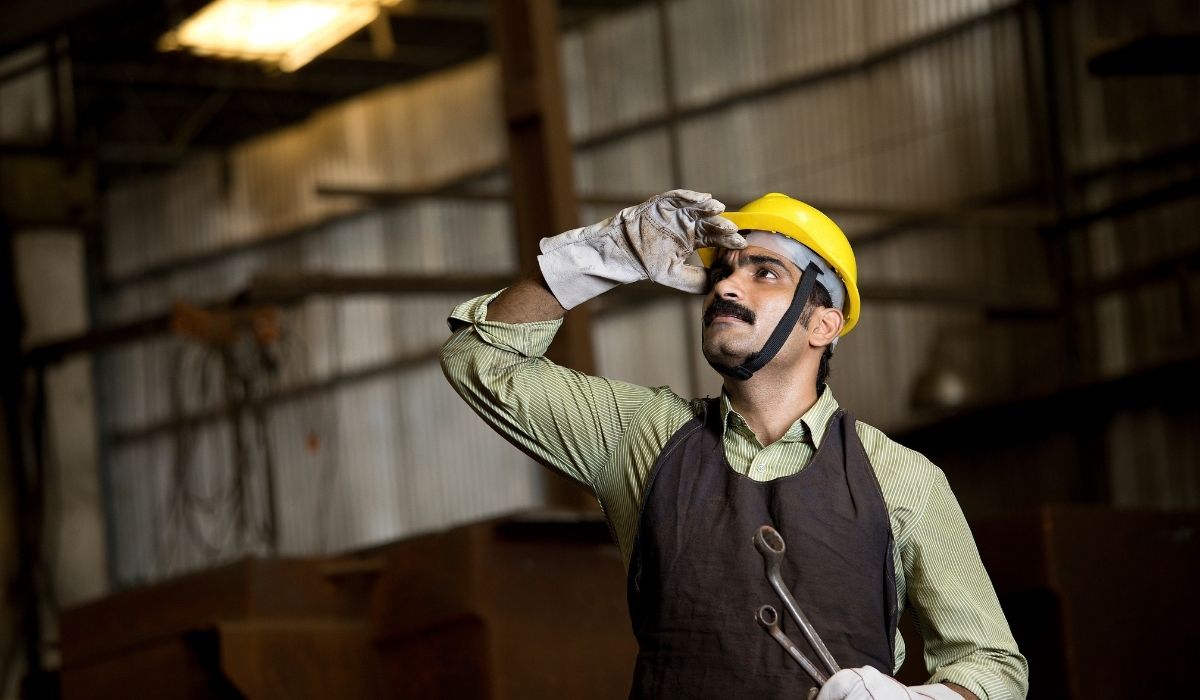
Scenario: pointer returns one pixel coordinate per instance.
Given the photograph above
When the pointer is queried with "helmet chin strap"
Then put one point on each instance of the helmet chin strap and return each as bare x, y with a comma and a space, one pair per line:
778, 336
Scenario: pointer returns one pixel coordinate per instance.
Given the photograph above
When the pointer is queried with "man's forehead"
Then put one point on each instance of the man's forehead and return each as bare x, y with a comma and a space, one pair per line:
759, 247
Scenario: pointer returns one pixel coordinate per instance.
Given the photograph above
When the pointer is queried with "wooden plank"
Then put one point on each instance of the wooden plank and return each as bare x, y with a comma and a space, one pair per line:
248, 589
176, 668
300, 659
528, 608
1096, 597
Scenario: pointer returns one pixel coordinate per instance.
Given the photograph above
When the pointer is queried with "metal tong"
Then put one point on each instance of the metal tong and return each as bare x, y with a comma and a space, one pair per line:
770, 544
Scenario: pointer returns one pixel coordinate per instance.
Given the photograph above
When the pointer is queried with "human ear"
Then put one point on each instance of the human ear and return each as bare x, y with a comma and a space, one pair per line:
825, 327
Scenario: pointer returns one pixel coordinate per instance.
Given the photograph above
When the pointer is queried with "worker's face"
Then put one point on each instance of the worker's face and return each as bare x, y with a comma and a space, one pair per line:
749, 291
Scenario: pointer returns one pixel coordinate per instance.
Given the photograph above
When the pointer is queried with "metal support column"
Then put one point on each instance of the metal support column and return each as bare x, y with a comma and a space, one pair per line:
543, 187
25, 483
1043, 30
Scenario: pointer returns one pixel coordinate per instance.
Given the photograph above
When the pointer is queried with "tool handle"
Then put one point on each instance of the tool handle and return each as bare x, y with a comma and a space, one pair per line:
770, 544
769, 619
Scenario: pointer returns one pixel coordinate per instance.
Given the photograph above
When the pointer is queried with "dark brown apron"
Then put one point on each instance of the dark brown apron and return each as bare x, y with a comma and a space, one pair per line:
696, 580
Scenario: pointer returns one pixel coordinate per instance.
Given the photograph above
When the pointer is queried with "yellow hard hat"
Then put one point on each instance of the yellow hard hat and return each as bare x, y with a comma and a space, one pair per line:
794, 219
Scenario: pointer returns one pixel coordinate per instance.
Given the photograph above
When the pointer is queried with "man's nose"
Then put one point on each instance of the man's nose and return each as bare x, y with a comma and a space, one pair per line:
727, 288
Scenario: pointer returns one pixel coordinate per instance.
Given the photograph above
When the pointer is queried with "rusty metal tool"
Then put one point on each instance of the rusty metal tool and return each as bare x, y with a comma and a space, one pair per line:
770, 544
769, 619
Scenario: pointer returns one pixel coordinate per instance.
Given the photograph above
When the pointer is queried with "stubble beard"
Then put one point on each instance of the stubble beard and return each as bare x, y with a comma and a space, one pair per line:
728, 345
729, 352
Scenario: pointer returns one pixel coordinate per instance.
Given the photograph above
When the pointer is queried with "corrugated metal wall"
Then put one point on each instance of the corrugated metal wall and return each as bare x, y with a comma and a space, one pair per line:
1154, 451
26, 98
938, 122
368, 441
870, 102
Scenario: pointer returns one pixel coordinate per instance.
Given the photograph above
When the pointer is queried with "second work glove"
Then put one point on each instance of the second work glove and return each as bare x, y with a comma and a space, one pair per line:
649, 241
866, 683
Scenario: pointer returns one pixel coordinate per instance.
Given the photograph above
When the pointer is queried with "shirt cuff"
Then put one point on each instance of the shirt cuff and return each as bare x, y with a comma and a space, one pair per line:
527, 339
985, 685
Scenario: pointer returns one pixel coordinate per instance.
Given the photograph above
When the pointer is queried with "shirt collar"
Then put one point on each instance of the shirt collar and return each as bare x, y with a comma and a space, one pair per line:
811, 426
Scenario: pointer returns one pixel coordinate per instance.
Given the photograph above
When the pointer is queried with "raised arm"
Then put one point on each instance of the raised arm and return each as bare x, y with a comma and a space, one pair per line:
567, 420
527, 301
570, 421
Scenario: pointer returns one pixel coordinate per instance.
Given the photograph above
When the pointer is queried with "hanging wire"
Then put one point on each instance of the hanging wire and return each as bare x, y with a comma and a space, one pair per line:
232, 377
328, 475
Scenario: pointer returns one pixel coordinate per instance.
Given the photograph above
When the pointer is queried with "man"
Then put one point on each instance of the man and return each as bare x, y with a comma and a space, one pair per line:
870, 527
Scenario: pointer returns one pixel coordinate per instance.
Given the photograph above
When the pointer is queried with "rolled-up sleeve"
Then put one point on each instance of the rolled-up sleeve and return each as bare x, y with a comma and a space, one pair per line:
967, 639
567, 420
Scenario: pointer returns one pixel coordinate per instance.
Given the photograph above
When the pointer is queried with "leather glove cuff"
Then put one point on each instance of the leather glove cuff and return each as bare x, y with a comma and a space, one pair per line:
586, 262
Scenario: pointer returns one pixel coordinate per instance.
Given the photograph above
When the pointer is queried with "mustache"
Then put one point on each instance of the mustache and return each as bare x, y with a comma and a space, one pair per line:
724, 307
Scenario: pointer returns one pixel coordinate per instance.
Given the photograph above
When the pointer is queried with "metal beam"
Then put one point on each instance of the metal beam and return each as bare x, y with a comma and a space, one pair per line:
404, 53
205, 76
460, 11
35, 59
1083, 406
266, 290
1029, 303
180, 74
23, 22
290, 289
292, 393
1173, 192
1186, 153
949, 213
1151, 54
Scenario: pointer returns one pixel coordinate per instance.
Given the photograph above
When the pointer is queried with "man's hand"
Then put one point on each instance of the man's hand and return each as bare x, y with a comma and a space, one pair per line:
867, 683
649, 241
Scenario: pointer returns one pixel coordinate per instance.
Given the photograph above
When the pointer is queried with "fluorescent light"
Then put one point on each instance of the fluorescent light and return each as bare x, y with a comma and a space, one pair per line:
285, 33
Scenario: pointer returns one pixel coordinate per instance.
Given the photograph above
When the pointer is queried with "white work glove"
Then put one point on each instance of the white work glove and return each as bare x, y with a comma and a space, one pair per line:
649, 241
867, 683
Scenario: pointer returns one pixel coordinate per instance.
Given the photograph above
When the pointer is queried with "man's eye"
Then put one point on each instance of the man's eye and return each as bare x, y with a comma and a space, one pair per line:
765, 271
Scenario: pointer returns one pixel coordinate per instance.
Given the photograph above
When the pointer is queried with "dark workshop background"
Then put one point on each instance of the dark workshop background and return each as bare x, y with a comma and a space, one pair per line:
232, 467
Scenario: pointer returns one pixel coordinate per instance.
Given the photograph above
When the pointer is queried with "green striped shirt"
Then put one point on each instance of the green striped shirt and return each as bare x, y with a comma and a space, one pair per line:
607, 435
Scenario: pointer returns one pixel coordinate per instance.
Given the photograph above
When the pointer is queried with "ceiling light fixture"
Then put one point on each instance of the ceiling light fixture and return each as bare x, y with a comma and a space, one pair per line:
284, 33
